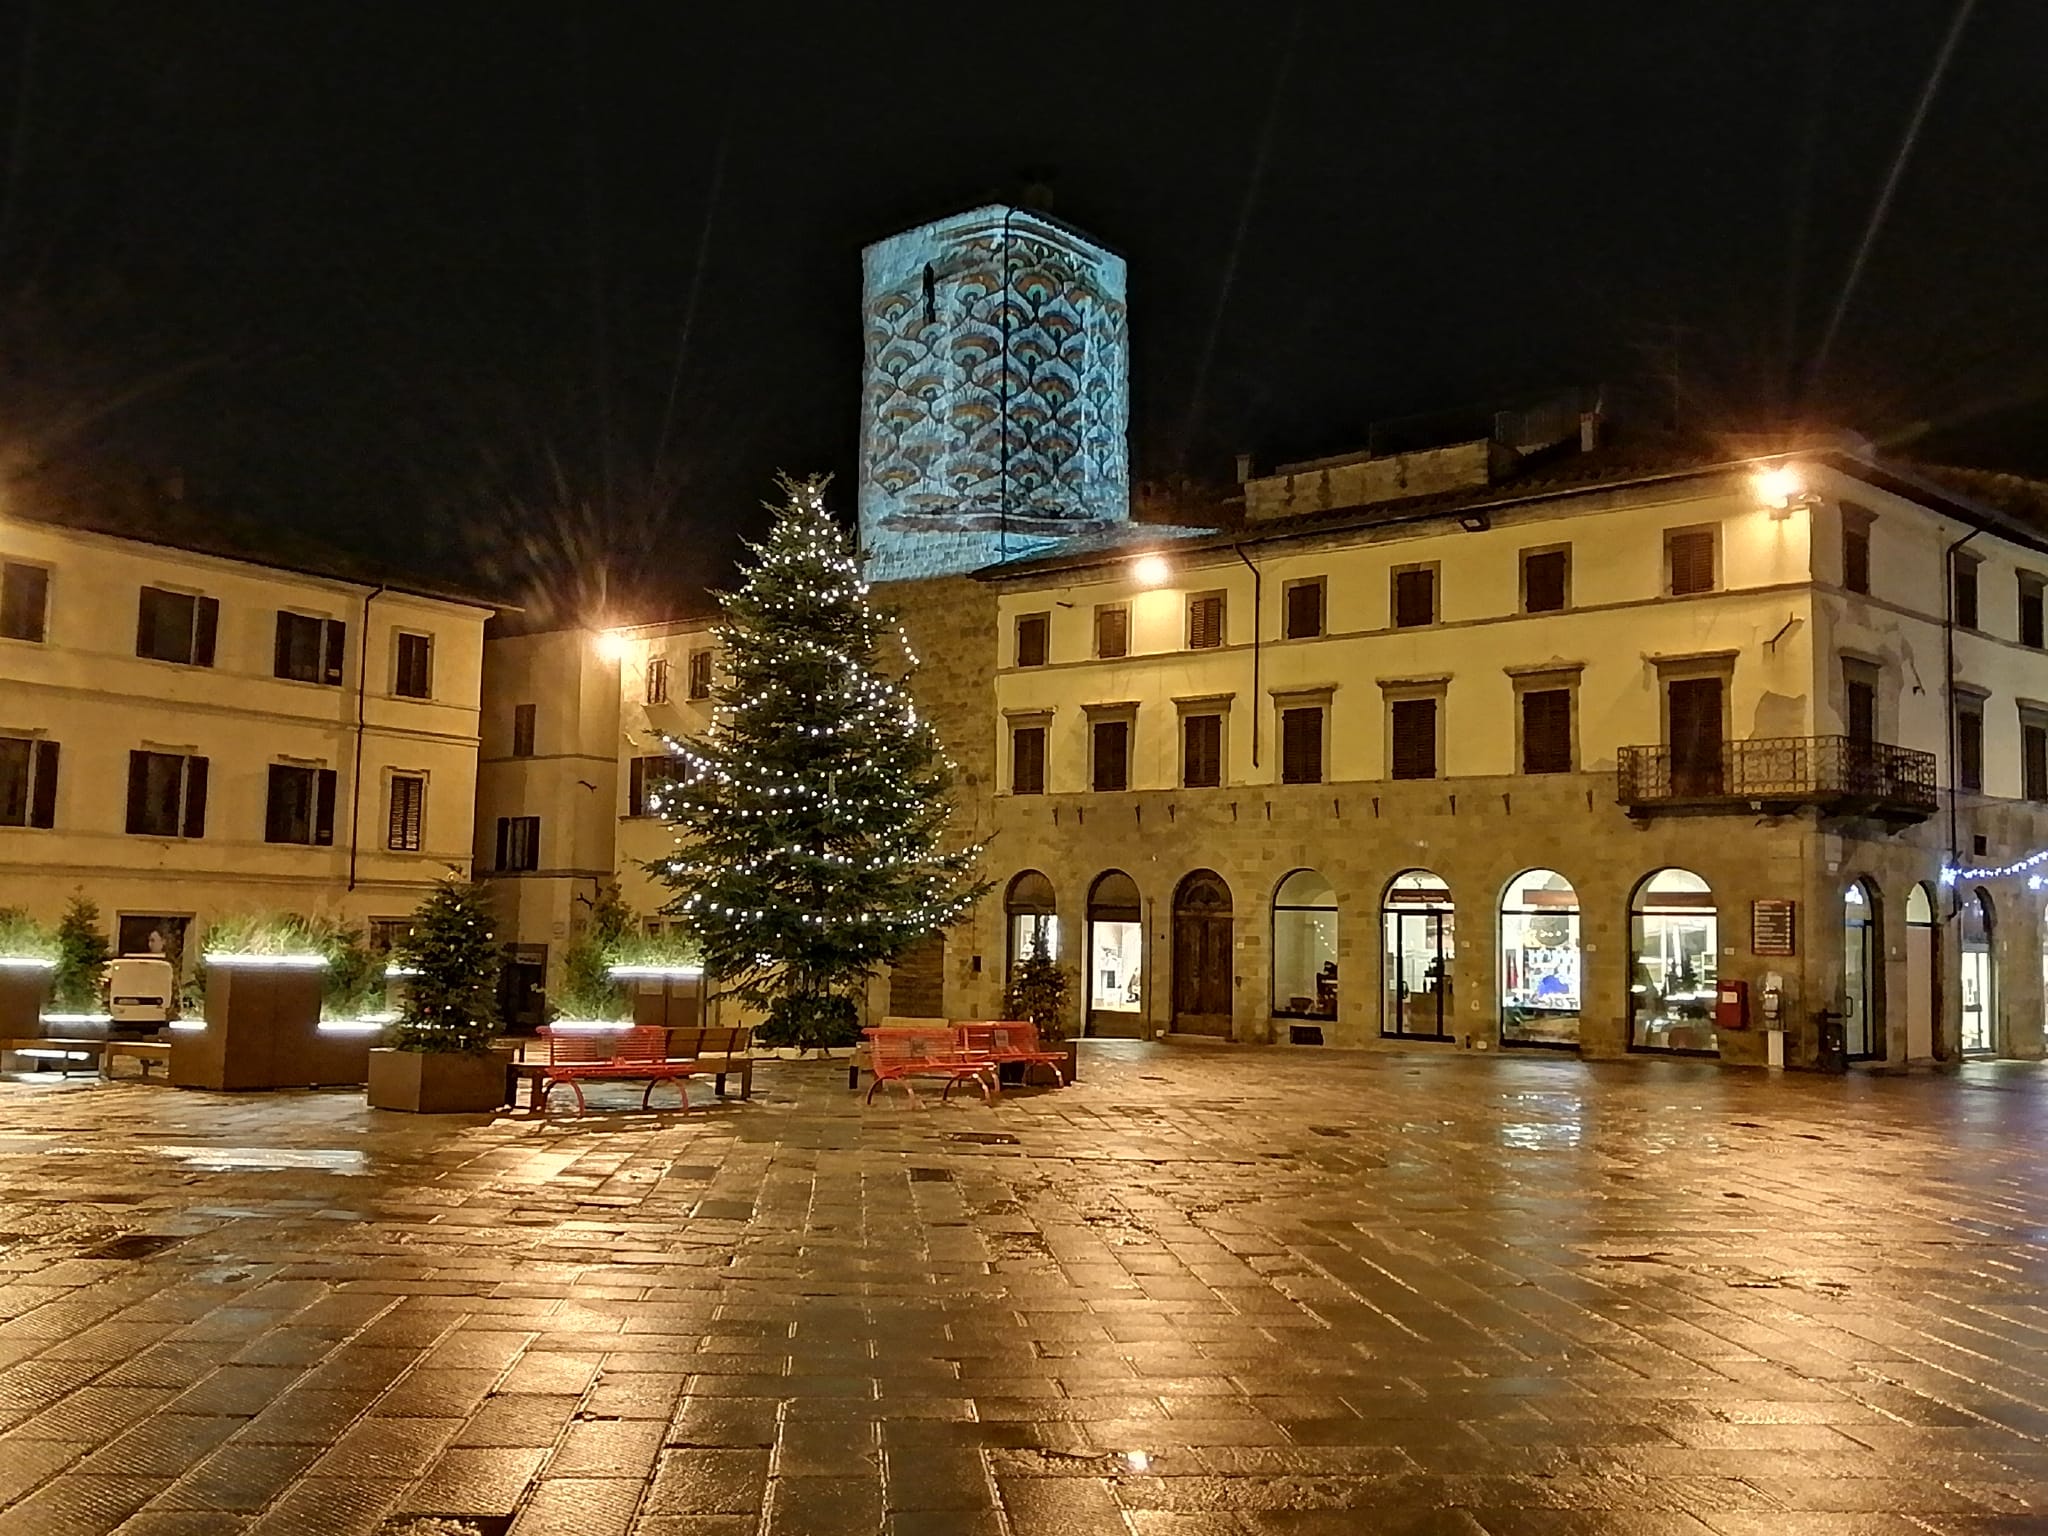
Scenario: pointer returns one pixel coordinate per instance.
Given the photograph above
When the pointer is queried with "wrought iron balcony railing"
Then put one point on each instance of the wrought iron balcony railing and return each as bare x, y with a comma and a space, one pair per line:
1836, 773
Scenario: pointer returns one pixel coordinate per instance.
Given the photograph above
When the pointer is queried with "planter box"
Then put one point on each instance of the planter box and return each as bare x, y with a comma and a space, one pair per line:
261, 1030
23, 991
439, 1082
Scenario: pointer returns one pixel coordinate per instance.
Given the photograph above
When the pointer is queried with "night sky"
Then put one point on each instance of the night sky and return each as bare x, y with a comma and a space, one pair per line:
512, 290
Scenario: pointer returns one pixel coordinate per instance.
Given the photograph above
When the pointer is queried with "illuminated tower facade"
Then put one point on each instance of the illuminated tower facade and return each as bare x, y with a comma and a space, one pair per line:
995, 407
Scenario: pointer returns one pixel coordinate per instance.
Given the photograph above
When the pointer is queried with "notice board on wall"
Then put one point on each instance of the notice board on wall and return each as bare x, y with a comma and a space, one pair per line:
1772, 926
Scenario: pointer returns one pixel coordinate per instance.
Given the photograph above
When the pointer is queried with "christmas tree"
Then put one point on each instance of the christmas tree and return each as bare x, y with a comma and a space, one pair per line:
811, 817
82, 956
451, 1000
1038, 991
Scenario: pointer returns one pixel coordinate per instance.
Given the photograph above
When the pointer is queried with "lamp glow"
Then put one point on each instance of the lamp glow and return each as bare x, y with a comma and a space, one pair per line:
611, 645
1151, 571
1779, 486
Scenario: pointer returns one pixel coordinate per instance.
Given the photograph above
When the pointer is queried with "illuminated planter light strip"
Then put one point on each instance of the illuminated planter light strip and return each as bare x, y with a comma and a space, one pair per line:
189, 1026
256, 962
354, 1026
645, 972
401, 970
589, 1026
78, 1018
26, 963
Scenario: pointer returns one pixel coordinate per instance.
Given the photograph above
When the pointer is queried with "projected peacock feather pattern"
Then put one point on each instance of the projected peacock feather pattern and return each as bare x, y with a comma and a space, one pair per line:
961, 432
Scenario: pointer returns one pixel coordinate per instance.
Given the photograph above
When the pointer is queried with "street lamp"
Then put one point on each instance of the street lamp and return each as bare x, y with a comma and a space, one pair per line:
611, 645
1151, 571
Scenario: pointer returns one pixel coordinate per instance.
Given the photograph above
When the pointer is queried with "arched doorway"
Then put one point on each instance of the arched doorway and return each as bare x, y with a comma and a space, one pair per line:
1674, 951
1031, 914
1116, 957
1203, 956
1305, 947
1539, 960
1980, 977
1923, 973
1419, 930
1862, 973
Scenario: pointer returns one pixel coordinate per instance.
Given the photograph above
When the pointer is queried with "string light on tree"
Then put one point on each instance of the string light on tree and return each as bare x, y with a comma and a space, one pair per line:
811, 816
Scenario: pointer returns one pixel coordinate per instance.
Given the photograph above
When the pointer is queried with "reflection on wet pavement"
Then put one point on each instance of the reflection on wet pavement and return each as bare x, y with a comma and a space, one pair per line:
1201, 1291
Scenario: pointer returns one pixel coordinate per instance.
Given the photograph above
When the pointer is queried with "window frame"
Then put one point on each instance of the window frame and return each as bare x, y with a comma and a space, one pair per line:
1126, 717
41, 774
1968, 744
2033, 752
399, 639
1434, 692
525, 729
189, 814
1711, 532
330, 648
41, 626
202, 629
1102, 611
523, 831
1219, 713
1038, 622
1963, 567
1320, 585
1314, 705
412, 836
1200, 601
1430, 568
642, 782
319, 803
2031, 603
1020, 726
1857, 523
698, 680
1544, 682
654, 683
1564, 554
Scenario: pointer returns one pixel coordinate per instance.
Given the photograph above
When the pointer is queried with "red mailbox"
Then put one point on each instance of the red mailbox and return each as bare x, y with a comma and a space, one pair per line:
1731, 1004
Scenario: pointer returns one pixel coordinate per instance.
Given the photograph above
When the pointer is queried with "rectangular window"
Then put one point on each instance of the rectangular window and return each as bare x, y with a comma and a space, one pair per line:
1859, 700
24, 602
646, 779
1205, 621
518, 843
386, 933
657, 679
1855, 552
1547, 730
1964, 583
1411, 723
522, 729
1970, 747
300, 808
166, 794
1033, 645
28, 782
1301, 744
407, 830
1301, 610
1689, 555
1201, 751
176, 626
415, 674
2030, 610
1546, 580
1111, 744
700, 674
2034, 758
1415, 597
310, 650
1112, 630
1027, 760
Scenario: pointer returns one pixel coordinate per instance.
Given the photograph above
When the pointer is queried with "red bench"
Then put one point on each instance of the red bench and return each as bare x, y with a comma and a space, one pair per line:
1007, 1040
898, 1055
578, 1056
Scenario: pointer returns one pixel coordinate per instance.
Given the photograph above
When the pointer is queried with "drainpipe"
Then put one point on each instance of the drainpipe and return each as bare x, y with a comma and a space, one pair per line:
355, 788
1948, 699
1003, 482
1258, 639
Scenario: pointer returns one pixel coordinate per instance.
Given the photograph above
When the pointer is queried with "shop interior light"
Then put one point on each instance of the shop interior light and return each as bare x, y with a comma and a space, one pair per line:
300, 962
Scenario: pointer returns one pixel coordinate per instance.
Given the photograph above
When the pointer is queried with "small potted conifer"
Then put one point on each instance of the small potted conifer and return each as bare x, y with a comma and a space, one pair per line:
1039, 992
440, 1058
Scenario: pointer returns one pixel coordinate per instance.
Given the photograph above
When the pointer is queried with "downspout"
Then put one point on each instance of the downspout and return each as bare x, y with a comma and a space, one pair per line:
1948, 699
1003, 474
355, 787
1258, 639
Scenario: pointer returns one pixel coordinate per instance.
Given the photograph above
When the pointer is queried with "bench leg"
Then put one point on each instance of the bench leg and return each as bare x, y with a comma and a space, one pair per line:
747, 1081
682, 1087
718, 1085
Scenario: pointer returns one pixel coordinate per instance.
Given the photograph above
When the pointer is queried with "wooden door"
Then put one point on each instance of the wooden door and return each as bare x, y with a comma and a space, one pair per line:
1694, 705
1202, 957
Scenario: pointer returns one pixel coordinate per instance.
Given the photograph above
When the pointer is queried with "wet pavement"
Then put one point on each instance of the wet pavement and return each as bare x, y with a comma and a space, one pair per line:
1202, 1291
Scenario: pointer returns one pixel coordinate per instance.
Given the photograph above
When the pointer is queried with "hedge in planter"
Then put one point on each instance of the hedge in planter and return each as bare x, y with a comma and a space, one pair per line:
439, 1059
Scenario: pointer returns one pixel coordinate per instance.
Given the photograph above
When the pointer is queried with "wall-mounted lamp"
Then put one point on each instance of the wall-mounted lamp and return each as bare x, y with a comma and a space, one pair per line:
1151, 571
1475, 522
1781, 487
611, 645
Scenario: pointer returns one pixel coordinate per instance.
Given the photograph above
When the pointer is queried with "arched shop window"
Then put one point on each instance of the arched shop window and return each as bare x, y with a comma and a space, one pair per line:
1116, 955
1032, 914
1980, 976
1540, 963
1418, 928
1862, 973
1923, 972
1305, 947
1674, 954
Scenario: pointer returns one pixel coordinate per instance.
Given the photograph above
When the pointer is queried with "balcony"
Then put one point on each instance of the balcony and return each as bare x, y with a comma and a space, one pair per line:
1838, 775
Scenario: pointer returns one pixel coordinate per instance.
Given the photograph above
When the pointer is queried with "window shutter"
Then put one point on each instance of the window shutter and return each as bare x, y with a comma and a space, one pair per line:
1414, 598
323, 807
42, 807
1112, 754
1970, 750
1414, 731
277, 805
1301, 746
1031, 640
145, 623
1304, 610
1692, 562
2034, 765
205, 626
138, 791
504, 840
1027, 760
1856, 559
1547, 731
1965, 585
281, 653
1205, 622
1543, 579
1202, 751
1112, 631
336, 659
195, 796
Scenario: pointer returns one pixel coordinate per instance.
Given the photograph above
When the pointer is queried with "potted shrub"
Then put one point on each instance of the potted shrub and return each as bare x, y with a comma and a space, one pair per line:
1039, 992
440, 1058
79, 982
802, 1022
28, 961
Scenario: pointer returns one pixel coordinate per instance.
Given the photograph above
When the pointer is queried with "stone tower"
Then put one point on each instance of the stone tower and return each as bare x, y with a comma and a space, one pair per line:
995, 406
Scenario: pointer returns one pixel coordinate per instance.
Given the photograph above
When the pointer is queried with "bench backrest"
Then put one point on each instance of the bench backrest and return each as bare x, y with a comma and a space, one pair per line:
729, 1040
998, 1035
911, 1047
598, 1047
